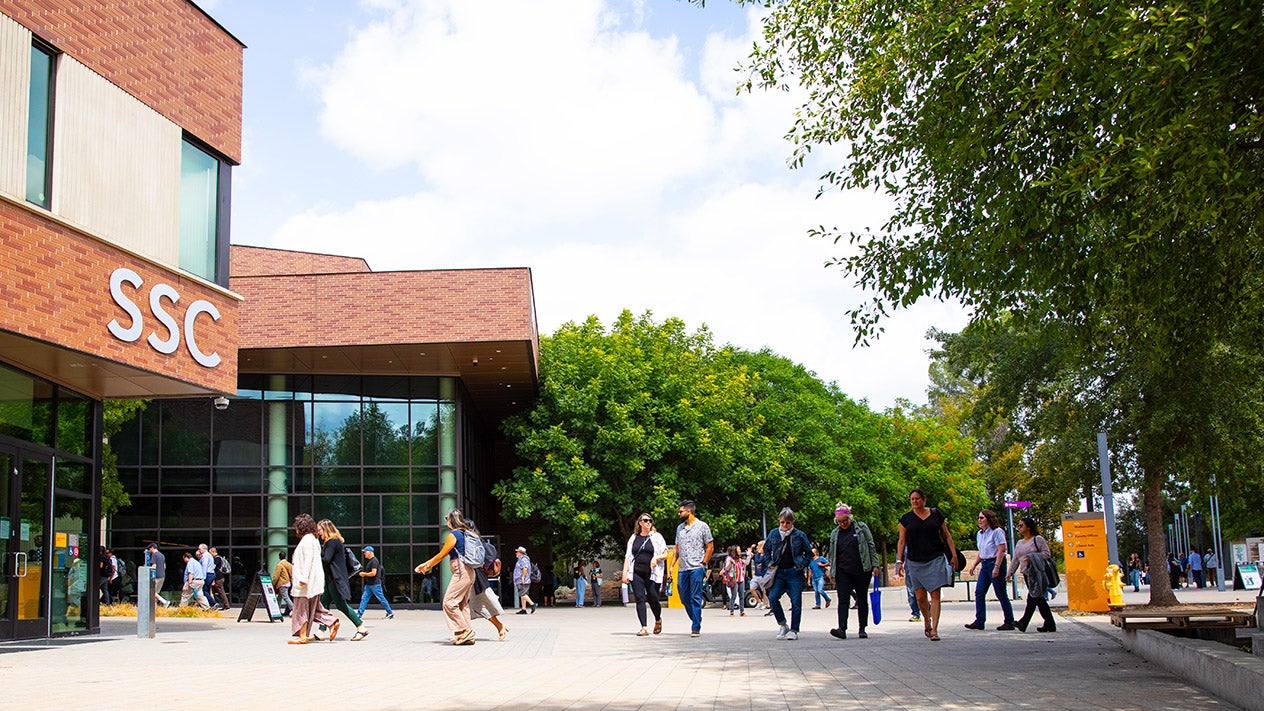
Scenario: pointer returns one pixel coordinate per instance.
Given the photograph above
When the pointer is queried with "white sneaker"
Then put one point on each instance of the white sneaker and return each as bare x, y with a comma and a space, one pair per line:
785, 630
792, 635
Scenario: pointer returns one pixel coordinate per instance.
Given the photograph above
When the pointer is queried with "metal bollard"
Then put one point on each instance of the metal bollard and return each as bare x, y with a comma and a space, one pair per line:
146, 622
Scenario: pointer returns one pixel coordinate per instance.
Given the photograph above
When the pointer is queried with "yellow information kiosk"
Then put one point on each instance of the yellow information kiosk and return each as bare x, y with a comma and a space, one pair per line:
1085, 548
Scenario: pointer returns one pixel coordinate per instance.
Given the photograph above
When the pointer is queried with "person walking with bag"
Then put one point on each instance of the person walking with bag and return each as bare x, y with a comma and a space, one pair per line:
307, 583
643, 569
1031, 555
855, 564
924, 531
992, 549
334, 556
458, 548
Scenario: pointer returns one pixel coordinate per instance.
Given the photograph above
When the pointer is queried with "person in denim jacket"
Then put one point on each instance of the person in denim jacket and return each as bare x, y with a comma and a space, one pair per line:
789, 552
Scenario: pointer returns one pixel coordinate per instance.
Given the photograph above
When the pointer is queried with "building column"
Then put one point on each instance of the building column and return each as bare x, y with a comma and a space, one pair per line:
278, 490
447, 457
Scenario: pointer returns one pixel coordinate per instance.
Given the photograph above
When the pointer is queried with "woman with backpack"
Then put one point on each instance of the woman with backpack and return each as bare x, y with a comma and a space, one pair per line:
1031, 557
643, 568
333, 556
456, 599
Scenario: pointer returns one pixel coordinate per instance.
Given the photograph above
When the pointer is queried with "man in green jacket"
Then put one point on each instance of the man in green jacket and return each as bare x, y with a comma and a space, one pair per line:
855, 562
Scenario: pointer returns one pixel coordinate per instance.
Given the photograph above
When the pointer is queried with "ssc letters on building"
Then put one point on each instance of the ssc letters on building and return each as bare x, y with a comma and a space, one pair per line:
157, 295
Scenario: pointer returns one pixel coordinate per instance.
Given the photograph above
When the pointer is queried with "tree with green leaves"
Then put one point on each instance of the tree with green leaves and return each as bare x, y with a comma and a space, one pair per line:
644, 414
638, 418
1095, 165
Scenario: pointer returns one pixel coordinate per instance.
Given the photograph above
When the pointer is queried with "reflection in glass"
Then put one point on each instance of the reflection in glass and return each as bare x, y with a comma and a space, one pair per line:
73, 476
185, 432
425, 429
335, 433
74, 424
385, 428
386, 481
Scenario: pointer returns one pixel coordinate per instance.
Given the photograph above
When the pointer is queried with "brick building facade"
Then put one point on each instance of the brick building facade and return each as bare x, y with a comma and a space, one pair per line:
120, 122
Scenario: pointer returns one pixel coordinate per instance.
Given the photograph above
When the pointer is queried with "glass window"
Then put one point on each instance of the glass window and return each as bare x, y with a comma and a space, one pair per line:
386, 481
73, 476
385, 433
186, 438
39, 139
426, 511
186, 512
74, 424
186, 481
25, 407
344, 480
425, 432
342, 510
73, 577
335, 433
141, 515
426, 481
372, 511
395, 510
199, 211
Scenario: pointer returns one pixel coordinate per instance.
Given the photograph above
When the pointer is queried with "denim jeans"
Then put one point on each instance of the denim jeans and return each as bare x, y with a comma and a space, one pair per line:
689, 587
818, 587
580, 584
1134, 577
912, 598
991, 577
373, 591
787, 581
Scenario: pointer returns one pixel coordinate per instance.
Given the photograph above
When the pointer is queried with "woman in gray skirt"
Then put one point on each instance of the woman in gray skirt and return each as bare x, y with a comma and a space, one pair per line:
925, 533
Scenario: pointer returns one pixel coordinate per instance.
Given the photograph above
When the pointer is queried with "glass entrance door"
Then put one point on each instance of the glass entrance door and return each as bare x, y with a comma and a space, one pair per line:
23, 509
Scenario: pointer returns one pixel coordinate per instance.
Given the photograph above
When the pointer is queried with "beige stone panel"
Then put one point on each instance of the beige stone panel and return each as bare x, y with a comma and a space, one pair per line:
116, 165
15, 78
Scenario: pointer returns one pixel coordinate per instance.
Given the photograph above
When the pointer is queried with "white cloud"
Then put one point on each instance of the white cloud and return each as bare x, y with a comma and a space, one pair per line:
562, 136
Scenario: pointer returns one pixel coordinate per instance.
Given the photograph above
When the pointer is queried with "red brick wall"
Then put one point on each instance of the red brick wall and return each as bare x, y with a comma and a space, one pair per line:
55, 287
166, 53
450, 306
261, 261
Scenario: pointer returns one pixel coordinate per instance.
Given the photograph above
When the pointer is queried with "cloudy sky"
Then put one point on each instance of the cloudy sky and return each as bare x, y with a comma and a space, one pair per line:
602, 143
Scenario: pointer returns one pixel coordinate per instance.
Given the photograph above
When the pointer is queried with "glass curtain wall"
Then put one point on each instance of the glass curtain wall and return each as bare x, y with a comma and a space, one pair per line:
367, 452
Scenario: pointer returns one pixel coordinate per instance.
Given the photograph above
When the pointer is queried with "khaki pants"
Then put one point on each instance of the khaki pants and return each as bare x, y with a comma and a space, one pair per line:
456, 601
193, 589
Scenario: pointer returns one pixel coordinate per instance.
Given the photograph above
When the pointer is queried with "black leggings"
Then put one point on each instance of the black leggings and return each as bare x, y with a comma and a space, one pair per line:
1034, 604
849, 585
646, 590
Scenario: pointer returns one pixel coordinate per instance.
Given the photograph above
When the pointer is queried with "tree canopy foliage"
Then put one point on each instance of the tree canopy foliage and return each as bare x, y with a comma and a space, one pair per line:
1090, 170
645, 414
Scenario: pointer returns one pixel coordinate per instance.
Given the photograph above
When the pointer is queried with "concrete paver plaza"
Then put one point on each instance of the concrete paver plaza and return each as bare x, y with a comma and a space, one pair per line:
590, 658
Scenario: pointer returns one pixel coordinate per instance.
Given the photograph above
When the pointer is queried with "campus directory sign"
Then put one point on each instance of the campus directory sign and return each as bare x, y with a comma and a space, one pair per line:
1086, 553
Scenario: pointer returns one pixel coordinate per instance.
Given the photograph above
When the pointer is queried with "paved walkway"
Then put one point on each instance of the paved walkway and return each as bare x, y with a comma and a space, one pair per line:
590, 659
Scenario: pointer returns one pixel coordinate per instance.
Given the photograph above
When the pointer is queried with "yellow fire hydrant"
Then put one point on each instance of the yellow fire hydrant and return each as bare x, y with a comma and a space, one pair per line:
1113, 581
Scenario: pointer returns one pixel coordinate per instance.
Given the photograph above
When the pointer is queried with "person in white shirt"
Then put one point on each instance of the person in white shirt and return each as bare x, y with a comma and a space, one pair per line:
992, 549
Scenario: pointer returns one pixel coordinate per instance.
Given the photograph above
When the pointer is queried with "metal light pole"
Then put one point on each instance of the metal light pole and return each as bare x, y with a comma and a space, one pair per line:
1108, 499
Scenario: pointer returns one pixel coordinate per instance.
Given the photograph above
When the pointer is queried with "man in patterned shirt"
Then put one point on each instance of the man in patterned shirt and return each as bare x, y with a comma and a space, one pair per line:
694, 546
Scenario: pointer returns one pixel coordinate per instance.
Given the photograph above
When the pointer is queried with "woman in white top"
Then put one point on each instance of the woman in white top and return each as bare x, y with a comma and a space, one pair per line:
307, 583
991, 540
643, 567
1025, 553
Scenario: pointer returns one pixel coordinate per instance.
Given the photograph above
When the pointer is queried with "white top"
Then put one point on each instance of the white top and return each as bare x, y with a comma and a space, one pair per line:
989, 541
308, 577
656, 570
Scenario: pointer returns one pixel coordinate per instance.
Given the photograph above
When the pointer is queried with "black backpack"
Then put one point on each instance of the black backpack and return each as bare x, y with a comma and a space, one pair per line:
489, 558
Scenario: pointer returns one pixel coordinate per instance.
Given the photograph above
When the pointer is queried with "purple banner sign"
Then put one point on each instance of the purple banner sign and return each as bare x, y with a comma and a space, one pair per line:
1017, 504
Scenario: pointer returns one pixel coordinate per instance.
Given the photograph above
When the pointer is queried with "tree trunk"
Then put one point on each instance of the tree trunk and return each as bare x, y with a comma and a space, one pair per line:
1160, 584
884, 582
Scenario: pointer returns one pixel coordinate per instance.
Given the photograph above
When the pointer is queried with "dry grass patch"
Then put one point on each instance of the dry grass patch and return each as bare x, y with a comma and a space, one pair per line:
126, 609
